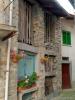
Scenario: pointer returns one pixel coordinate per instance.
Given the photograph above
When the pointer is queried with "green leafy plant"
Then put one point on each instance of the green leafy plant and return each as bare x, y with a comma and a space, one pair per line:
28, 81
32, 79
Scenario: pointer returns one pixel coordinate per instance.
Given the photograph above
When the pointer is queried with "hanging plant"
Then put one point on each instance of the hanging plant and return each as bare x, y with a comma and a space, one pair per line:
15, 57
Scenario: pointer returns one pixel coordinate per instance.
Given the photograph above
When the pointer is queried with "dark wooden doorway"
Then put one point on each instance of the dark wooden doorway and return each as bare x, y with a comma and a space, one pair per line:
66, 82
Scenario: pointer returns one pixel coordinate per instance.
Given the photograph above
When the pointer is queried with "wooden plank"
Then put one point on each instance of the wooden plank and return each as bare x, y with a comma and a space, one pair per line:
30, 25
49, 27
8, 36
25, 23
20, 32
22, 23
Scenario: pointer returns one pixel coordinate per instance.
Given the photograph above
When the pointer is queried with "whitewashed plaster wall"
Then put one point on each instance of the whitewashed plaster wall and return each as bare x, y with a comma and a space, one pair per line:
69, 51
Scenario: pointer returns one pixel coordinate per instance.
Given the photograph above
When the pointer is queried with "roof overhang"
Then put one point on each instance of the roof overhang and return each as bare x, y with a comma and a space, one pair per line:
72, 2
54, 7
6, 31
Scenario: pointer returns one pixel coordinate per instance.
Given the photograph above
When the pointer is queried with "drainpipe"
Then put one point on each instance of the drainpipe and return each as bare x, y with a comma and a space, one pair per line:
8, 55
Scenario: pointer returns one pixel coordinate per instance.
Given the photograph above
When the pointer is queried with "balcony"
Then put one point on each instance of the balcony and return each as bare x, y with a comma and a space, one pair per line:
6, 31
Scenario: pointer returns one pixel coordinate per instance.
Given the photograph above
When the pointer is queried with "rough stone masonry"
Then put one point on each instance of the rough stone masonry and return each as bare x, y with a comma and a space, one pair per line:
38, 30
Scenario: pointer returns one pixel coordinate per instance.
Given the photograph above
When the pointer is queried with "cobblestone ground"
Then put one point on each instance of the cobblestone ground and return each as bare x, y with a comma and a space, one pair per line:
66, 95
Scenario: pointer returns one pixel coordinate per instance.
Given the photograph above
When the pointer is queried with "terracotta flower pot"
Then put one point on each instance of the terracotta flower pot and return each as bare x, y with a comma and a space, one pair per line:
43, 60
19, 89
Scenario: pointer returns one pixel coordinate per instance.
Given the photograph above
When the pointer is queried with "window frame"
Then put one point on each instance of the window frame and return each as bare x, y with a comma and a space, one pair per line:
25, 22
49, 20
66, 38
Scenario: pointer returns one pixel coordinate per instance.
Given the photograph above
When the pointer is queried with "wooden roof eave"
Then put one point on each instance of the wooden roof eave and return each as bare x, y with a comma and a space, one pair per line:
53, 7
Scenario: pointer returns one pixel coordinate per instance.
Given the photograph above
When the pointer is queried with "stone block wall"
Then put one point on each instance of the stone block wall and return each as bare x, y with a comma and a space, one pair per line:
38, 30
58, 79
4, 19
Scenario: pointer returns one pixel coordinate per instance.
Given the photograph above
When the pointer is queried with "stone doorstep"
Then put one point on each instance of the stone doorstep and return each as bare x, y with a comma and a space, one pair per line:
68, 90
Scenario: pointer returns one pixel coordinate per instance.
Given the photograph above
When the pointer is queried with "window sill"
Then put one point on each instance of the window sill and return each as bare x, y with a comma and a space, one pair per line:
67, 45
51, 53
50, 74
26, 47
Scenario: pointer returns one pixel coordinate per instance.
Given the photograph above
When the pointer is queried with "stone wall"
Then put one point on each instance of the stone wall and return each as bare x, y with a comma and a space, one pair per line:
3, 54
4, 19
58, 78
54, 48
14, 45
38, 30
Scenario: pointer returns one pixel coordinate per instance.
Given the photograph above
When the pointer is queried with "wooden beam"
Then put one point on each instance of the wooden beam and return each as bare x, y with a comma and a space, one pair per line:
8, 36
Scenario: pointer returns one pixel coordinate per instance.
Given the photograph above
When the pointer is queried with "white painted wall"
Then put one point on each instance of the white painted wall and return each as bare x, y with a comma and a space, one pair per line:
69, 51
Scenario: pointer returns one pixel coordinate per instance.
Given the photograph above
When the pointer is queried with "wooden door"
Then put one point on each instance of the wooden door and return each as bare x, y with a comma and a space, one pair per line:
66, 83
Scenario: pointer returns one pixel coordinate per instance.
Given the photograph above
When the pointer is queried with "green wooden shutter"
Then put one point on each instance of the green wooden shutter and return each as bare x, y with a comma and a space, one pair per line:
64, 37
68, 38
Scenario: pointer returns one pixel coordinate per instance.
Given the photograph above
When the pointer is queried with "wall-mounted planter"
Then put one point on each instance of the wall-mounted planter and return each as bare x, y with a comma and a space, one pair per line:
27, 82
15, 57
43, 59
21, 89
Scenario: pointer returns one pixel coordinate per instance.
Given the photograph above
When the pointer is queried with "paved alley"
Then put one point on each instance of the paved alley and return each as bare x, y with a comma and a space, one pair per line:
67, 95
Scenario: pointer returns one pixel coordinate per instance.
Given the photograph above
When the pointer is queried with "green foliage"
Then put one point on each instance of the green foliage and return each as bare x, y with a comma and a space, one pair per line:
29, 81
32, 79
21, 84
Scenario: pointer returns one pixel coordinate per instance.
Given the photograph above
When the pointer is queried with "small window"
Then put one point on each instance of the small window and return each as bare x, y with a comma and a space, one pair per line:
65, 58
25, 22
49, 64
66, 37
49, 27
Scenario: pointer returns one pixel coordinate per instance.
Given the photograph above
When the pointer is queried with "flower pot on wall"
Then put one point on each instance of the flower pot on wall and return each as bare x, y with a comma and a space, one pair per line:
15, 57
43, 59
20, 89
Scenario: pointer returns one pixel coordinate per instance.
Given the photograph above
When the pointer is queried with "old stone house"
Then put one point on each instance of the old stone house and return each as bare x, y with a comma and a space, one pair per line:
38, 37
68, 57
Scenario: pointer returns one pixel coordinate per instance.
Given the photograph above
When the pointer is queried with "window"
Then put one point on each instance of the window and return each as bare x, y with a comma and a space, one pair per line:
25, 21
26, 66
49, 27
49, 64
65, 58
66, 37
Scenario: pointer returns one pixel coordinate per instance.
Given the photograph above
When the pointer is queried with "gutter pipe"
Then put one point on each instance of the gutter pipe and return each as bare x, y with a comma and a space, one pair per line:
8, 55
